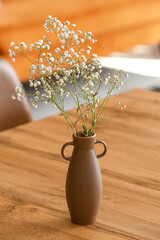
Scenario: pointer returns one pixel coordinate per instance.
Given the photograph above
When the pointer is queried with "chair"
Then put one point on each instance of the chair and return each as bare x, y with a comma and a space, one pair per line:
12, 112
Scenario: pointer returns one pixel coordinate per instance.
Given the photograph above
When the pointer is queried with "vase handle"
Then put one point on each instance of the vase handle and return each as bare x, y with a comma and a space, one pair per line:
105, 148
62, 150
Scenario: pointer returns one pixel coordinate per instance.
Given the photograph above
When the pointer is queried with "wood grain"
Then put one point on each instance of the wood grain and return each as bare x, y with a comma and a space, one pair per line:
32, 176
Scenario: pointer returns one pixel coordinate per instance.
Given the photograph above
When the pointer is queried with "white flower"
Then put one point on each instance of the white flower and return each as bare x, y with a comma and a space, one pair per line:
71, 50
76, 55
68, 64
94, 55
67, 22
67, 73
67, 94
31, 84
49, 70
34, 105
60, 25
36, 98
116, 77
13, 97
47, 46
12, 44
66, 53
17, 89
90, 83
105, 81
37, 93
84, 59
16, 47
63, 41
51, 59
22, 43
40, 42
13, 53
91, 92
19, 94
57, 50
13, 60
37, 43
33, 67
45, 25
75, 37
61, 91
24, 46
60, 81
85, 89
54, 25
92, 68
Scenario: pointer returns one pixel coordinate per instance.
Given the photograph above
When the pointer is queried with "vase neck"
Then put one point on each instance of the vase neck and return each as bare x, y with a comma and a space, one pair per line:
84, 143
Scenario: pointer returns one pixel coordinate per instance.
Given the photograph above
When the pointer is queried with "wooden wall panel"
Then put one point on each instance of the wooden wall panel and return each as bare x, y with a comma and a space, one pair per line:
118, 25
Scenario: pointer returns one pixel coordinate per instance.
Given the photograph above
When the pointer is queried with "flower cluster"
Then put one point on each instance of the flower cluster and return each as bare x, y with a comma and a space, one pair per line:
68, 70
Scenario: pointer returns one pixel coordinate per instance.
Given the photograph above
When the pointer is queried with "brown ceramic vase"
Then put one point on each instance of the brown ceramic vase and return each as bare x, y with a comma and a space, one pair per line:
84, 181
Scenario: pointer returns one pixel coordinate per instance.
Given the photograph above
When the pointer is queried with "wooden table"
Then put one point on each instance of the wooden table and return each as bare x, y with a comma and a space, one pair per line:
32, 176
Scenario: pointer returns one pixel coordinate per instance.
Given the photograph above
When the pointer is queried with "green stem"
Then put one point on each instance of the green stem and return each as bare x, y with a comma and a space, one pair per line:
79, 106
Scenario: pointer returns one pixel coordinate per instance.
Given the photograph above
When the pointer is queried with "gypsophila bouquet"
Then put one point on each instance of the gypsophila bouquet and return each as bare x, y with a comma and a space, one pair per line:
69, 70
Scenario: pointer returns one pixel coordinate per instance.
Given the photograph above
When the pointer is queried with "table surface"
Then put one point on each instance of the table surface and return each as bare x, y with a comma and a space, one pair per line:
32, 176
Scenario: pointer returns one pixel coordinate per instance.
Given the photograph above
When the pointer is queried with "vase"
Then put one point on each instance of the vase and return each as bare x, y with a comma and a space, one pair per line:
84, 181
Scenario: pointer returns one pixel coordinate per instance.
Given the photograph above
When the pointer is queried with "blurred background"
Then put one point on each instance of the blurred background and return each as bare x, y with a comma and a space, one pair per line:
128, 34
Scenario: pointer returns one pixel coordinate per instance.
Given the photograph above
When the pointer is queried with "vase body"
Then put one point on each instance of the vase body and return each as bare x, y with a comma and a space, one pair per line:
84, 181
